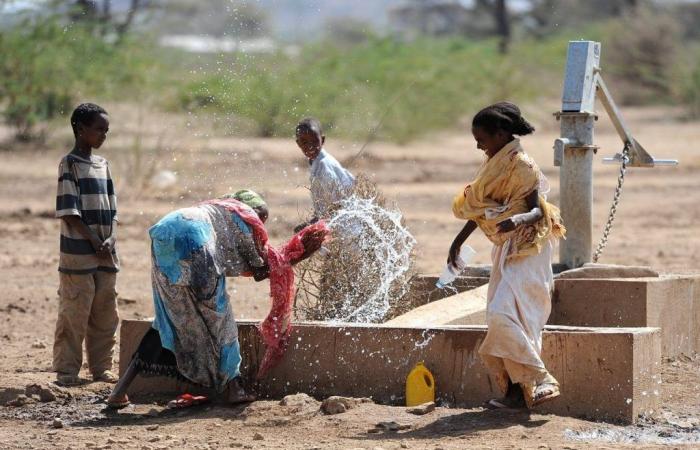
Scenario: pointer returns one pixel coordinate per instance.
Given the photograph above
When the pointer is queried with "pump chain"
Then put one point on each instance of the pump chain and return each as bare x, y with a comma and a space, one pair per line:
624, 160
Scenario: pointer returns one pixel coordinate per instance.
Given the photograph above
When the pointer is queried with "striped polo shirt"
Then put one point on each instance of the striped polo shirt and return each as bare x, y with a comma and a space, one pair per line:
85, 189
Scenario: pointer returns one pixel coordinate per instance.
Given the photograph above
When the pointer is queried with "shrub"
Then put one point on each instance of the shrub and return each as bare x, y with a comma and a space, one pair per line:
406, 88
47, 66
641, 52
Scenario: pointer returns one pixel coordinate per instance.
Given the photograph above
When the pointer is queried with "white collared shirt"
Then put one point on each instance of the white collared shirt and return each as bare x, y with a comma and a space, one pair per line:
330, 182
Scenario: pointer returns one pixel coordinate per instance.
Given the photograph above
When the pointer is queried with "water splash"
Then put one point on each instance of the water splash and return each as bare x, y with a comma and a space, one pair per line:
381, 246
367, 270
427, 337
646, 435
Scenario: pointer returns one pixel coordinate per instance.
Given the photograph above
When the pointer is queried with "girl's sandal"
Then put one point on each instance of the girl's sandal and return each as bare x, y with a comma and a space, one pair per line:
544, 393
498, 403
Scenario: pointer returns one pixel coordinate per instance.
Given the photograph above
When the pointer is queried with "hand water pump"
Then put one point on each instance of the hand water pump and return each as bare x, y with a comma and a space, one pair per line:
574, 150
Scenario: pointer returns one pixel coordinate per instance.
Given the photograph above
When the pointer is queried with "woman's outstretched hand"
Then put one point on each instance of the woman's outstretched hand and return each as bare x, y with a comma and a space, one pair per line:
312, 239
261, 273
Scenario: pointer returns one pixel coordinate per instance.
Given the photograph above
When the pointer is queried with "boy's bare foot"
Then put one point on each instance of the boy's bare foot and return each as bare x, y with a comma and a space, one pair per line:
118, 402
106, 377
236, 393
67, 380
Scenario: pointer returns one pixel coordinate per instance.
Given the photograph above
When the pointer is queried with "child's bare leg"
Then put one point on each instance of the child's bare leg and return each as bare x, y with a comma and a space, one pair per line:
118, 396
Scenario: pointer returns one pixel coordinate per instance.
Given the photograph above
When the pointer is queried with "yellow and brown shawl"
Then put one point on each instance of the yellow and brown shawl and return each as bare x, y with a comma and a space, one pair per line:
498, 192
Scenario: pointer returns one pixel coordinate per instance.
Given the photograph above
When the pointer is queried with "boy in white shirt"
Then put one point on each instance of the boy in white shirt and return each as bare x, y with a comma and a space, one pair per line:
330, 181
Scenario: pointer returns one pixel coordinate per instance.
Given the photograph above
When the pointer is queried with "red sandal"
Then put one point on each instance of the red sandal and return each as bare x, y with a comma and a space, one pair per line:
187, 400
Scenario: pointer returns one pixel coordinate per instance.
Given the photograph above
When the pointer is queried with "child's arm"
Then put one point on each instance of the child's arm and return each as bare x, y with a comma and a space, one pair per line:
468, 229
535, 214
76, 223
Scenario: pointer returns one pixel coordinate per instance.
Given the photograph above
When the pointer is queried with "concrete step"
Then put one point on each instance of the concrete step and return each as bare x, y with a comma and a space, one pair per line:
605, 373
465, 308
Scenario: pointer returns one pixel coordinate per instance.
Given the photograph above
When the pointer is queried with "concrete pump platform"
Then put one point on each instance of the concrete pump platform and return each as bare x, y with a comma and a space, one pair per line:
605, 374
668, 302
671, 303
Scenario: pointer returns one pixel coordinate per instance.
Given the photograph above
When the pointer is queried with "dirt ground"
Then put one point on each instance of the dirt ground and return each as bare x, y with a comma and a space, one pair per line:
658, 224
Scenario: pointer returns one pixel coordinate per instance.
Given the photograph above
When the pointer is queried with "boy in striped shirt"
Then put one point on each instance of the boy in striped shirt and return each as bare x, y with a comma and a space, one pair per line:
88, 264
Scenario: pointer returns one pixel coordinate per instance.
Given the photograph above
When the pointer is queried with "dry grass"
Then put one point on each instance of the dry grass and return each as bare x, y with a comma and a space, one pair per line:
351, 281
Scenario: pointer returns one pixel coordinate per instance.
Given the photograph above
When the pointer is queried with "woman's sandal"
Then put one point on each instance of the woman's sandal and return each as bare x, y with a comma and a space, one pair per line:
118, 404
187, 400
545, 392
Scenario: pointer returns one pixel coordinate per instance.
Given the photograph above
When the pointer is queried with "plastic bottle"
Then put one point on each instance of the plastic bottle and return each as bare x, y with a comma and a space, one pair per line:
420, 386
449, 273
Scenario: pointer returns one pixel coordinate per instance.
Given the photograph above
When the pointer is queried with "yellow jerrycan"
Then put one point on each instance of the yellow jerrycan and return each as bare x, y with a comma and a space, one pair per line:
420, 386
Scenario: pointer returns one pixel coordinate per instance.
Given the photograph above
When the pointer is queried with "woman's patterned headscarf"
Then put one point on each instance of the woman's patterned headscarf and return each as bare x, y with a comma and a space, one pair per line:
250, 198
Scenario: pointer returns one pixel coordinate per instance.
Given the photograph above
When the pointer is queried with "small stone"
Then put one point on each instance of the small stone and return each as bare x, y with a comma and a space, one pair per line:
543, 446
404, 445
152, 428
43, 393
20, 400
420, 410
89, 444
154, 439
258, 437
57, 423
111, 441
391, 426
336, 404
39, 344
52, 433
299, 399
146, 447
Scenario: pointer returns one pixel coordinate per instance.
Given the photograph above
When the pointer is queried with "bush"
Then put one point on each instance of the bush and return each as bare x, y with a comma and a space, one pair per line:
46, 66
689, 92
406, 88
641, 53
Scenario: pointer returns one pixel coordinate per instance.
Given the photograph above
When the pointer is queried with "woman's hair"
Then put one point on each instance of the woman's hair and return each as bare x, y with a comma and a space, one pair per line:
502, 116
